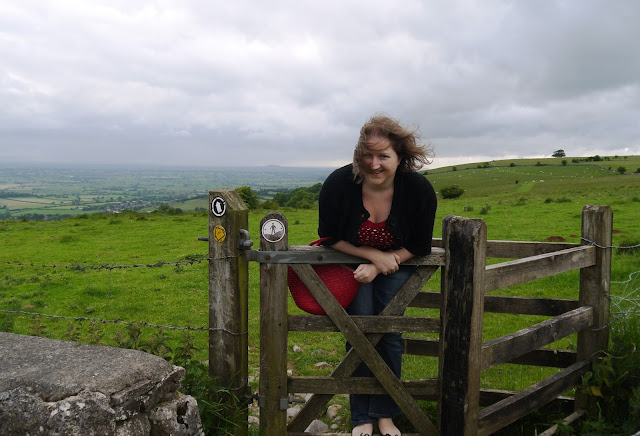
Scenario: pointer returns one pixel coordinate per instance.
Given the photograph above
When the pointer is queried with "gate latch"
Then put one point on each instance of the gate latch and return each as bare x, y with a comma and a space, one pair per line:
244, 241
284, 402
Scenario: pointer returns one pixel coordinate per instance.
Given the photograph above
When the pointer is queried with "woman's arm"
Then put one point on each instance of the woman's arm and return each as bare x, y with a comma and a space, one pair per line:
385, 262
403, 255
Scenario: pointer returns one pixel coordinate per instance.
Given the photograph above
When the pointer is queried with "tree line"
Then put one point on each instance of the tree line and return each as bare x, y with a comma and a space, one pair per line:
298, 198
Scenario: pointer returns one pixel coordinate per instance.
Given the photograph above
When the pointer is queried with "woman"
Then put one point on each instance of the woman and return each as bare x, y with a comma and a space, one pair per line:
379, 208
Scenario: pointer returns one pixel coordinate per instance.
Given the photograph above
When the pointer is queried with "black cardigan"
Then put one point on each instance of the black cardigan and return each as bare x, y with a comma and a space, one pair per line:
413, 210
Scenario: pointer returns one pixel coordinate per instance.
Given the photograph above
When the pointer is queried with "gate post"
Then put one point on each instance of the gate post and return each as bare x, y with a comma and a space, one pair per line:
273, 396
228, 298
461, 312
595, 286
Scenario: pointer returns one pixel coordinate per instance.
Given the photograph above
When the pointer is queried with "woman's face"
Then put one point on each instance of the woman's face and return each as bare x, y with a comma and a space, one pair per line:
379, 162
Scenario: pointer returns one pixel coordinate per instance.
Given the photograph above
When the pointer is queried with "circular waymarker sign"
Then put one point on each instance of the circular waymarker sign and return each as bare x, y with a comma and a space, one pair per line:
219, 233
218, 206
273, 230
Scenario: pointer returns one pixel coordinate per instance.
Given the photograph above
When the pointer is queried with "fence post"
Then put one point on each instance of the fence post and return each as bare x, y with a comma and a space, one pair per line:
465, 243
228, 297
273, 397
595, 286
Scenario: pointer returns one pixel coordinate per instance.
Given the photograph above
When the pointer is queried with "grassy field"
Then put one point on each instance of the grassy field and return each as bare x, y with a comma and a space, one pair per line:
526, 203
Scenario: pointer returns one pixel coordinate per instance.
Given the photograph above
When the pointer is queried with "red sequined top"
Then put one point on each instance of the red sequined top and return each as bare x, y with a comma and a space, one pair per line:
376, 235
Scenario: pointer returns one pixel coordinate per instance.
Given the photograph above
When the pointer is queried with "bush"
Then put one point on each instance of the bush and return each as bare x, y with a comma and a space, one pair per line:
615, 383
299, 198
163, 209
270, 205
249, 196
452, 191
558, 200
304, 204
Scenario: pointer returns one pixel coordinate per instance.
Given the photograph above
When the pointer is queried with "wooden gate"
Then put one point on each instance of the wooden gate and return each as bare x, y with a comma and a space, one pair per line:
363, 332
466, 279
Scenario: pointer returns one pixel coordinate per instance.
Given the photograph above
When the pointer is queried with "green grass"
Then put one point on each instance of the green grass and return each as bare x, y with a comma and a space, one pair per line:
530, 210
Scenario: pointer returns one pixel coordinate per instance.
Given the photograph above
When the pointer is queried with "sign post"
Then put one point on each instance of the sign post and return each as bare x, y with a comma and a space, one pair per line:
228, 297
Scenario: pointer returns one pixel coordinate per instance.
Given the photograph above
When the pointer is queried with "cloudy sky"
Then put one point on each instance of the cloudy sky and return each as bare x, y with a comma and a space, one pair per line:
290, 82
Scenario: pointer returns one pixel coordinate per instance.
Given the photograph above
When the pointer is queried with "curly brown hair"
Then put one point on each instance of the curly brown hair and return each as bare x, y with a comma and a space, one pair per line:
406, 143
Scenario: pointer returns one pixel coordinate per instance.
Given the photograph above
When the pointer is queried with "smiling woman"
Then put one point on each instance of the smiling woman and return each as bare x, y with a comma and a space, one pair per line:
380, 209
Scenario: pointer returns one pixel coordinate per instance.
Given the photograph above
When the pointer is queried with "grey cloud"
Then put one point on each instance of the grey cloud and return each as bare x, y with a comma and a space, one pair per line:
289, 82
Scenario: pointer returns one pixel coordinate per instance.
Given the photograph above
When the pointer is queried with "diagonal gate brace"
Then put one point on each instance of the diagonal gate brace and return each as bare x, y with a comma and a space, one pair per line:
365, 349
350, 362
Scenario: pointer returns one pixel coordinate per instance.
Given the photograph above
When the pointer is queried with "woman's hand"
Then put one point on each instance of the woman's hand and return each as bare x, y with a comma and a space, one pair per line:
366, 272
386, 262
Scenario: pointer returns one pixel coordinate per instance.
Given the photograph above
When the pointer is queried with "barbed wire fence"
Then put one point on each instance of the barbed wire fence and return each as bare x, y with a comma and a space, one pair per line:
623, 304
626, 301
135, 326
110, 267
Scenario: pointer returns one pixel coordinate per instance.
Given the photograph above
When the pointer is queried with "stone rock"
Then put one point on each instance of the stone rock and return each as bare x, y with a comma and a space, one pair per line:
333, 410
138, 425
177, 417
65, 388
58, 369
322, 365
296, 349
88, 413
317, 426
293, 411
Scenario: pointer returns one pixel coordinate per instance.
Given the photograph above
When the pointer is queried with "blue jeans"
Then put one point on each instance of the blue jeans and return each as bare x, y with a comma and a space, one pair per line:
371, 299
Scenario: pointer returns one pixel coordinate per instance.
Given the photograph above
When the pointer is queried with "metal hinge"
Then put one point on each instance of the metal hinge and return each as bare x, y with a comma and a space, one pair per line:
284, 402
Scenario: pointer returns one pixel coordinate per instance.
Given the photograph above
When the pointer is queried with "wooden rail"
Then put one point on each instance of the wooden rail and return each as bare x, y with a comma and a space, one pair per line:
531, 268
510, 347
304, 254
466, 279
507, 411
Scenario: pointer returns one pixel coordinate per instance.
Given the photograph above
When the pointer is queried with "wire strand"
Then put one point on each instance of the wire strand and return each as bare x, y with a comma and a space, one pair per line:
619, 247
112, 267
118, 321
